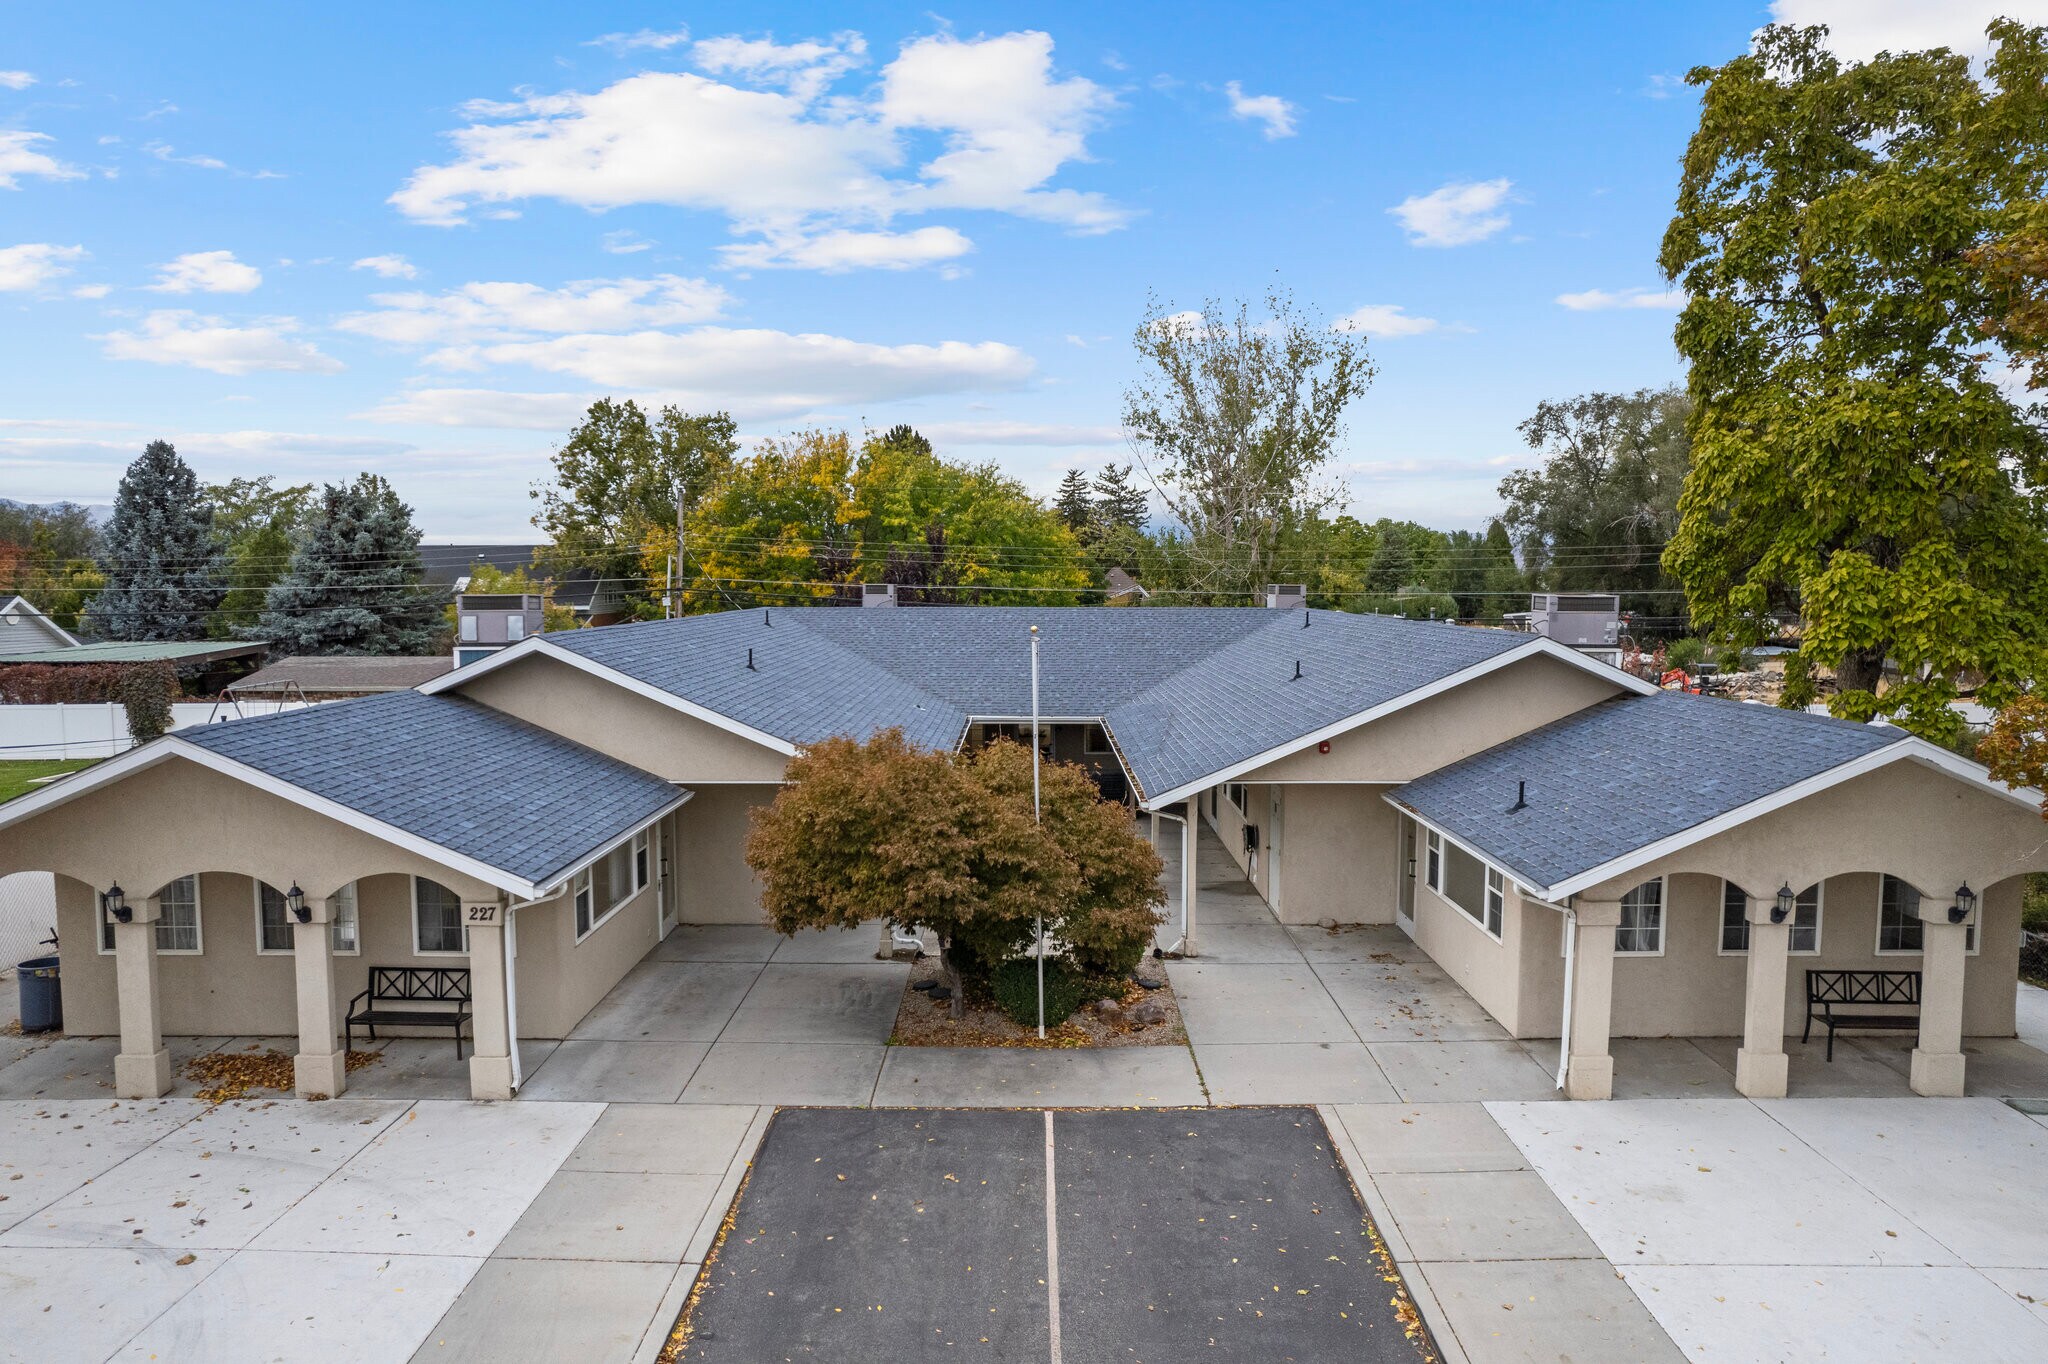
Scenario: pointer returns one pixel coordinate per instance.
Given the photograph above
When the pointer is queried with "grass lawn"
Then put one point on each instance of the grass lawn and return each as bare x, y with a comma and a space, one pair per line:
19, 778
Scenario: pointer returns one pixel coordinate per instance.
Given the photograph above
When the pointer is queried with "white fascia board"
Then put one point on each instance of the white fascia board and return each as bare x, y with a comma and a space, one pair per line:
24, 604
554, 885
1043, 719
1537, 645
537, 644
1521, 882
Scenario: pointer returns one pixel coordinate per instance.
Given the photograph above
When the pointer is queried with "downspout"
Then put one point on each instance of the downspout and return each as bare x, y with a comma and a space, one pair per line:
1564, 1031
511, 936
1187, 831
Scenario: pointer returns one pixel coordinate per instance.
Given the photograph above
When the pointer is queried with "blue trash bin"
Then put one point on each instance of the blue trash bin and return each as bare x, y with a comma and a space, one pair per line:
42, 999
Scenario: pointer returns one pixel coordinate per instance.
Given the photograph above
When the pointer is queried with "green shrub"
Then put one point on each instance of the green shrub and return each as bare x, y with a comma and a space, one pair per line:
1734, 660
1685, 653
1014, 985
1115, 959
2034, 904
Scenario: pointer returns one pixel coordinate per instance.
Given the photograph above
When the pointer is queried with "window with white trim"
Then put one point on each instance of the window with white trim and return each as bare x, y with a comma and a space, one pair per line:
1235, 790
178, 930
515, 628
586, 896
273, 920
1804, 939
468, 629
1641, 930
1433, 861
346, 929
1094, 740
1475, 888
1900, 931
1496, 901
436, 919
640, 859
1734, 919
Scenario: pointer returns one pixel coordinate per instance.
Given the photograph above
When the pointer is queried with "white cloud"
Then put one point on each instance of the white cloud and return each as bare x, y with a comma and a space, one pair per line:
92, 291
18, 157
1386, 321
206, 272
644, 40
388, 267
1860, 29
163, 151
1020, 433
1458, 214
1606, 300
177, 337
624, 242
837, 252
507, 311
34, 264
16, 80
791, 163
1276, 113
482, 408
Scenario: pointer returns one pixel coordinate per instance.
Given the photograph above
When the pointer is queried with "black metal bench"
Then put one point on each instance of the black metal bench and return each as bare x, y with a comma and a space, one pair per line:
415, 997
1843, 999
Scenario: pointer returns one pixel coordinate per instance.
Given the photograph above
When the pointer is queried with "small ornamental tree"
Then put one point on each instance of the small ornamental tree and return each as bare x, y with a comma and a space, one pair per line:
884, 830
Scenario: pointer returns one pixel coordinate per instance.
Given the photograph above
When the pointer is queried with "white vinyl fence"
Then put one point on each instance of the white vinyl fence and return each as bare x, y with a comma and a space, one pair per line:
100, 730
28, 914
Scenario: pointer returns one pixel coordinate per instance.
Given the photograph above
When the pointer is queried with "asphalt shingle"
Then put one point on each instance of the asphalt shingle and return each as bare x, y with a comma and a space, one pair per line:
454, 772
1625, 773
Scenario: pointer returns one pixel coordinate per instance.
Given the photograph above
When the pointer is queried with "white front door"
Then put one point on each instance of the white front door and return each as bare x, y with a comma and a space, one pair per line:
1404, 898
665, 880
1273, 852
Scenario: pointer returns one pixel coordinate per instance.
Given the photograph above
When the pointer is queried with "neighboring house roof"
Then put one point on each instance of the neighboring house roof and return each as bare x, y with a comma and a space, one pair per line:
353, 674
142, 651
1122, 584
1628, 780
1188, 693
454, 773
24, 629
447, 565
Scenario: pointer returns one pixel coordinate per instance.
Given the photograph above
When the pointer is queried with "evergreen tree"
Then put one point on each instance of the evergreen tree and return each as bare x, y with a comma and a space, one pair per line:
1072, 502
1117, 502
165, 565
354, 583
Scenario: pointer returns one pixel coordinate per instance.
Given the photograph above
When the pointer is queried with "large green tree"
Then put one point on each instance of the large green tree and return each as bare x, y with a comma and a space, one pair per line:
48, 555
257, 520
355, 584
1851, 458
611, 505
1235, 419
165, 565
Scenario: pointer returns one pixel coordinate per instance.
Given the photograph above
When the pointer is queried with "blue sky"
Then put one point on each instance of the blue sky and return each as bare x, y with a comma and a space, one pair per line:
419, 238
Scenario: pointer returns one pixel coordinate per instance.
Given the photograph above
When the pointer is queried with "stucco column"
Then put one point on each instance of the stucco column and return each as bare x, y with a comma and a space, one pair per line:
1589, 1073
490, 1066
1189, 878
1937, 1069
1761, 1065
142, 1068
321, 1067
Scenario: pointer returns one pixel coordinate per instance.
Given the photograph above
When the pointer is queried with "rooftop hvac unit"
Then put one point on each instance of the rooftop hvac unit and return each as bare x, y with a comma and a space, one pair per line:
1287, 596
1583, 620
878, 594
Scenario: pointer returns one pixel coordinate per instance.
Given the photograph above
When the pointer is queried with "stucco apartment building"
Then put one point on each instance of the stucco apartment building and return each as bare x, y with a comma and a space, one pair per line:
1588, 857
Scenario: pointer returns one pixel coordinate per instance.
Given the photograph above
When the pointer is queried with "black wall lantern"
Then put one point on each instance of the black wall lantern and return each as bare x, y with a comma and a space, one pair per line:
1787, 902
114, 903
295, 901
1965, 905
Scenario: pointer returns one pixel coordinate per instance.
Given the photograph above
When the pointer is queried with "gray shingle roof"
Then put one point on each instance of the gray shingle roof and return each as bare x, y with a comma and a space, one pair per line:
1186, 691
350, 672
454, 772
1625, 773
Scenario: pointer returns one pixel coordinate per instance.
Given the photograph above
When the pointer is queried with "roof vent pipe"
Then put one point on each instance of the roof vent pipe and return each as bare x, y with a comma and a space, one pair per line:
750, 662
1297, 670
764, 618
1521, 797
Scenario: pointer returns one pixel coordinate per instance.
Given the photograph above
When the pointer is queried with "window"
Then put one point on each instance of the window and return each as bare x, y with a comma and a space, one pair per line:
1641, 931
1899, 929
178, 929
468, 629
1237, 797
1496, 901
1433, 864
1094, 740
1805, 936
585, 896
436, 919
1734, 918
273, 920
515, 628
1468, 883
347, 926
640, 860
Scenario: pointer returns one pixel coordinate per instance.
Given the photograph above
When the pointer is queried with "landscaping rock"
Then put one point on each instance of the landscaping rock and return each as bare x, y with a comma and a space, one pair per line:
1149, 982
1109, 1009
1149, 1012
942, 991
927, 986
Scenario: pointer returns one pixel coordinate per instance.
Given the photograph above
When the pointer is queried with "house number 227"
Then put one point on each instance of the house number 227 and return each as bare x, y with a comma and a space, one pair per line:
482, 914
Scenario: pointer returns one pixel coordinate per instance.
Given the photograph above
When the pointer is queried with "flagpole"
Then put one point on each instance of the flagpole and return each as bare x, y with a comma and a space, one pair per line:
1037, 817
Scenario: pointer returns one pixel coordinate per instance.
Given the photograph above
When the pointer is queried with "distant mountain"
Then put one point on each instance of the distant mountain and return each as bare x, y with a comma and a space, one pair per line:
96, 512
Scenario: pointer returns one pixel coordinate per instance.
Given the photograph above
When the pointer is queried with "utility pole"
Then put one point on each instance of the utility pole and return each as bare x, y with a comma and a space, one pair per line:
675, 580
1037, 817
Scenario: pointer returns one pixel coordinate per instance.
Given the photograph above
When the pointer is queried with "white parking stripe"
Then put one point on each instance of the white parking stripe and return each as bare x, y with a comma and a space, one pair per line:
1052, 1245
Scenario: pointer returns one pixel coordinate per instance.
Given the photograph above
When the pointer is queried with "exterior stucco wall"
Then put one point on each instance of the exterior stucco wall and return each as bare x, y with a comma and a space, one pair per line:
1456, 724
714, 883
623, 724
559, 980
1339, 858
1489, 970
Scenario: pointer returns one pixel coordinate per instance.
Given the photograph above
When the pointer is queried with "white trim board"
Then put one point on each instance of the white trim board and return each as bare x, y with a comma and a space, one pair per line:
538, 644
14, 604
1538, 645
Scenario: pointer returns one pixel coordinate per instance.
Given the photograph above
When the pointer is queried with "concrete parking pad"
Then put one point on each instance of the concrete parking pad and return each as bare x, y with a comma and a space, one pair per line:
1462, 1072
616, 1072
49, 1149
590, 1312
694, 1139
1483, 1215
1541, 1312
786, 1073
85, 1303
610, 1215
1293, 1073
217, 1181
446, 1179
1426, 1138
83, 1068
1406, 1002
718, 942
670, 1001
831, 945
819, 1003
1355, 942
1256, 1004
1007, 1077
340, 1309
1252, 942
1847, 1313
424, 1068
